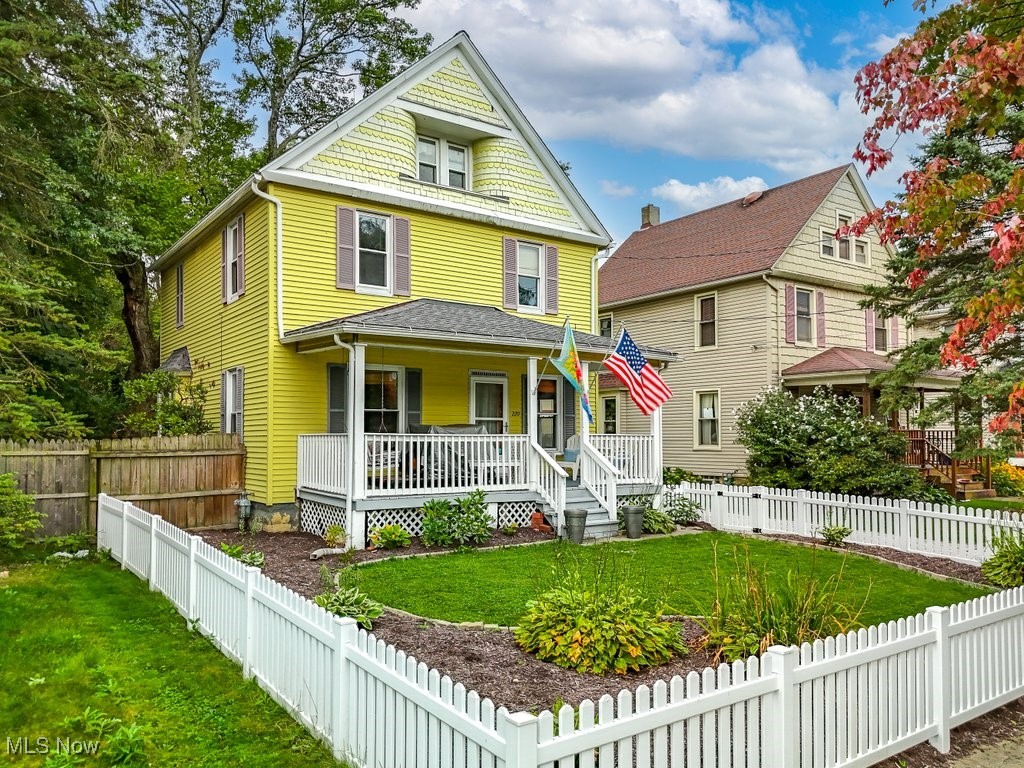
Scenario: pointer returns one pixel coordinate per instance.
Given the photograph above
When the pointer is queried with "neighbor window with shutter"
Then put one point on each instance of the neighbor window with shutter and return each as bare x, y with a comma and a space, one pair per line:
881, 334
179, 295
804, 312
232, 260
232, 386
707, 320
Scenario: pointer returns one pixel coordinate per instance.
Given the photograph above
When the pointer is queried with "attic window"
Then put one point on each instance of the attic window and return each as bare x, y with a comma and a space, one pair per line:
442, 162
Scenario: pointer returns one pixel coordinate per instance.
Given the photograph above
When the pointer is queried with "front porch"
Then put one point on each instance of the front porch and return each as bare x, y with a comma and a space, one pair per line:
430, 418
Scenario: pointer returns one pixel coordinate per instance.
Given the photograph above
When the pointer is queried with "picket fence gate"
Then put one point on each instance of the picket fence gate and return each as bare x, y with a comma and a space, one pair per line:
846, 701
958, 533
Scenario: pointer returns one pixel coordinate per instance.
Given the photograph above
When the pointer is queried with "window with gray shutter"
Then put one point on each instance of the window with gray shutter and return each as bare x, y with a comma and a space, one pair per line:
337, 398
232, 387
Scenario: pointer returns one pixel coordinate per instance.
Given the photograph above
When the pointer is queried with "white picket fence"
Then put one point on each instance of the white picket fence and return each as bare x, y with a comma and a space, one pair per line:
847, 701
958, 533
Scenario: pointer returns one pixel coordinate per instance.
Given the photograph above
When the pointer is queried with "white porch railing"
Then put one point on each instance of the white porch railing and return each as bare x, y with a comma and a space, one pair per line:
407, 464
599, 477
550, 483
323, 463
632, 455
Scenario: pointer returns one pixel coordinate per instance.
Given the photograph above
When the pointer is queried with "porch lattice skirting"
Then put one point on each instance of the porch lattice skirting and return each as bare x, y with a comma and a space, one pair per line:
852, 700
515, 513
410, 518
317, 516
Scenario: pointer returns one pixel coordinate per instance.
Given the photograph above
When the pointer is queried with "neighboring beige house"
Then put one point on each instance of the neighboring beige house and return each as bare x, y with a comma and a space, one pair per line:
748, 294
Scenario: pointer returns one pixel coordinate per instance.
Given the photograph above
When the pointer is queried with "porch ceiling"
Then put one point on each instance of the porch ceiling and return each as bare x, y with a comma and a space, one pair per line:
454, 322
847, 365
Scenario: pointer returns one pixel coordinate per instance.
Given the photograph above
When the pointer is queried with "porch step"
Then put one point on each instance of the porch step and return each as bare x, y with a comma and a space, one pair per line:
977, 493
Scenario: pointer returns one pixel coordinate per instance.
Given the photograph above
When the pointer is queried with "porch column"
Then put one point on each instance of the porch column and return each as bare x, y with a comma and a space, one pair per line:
866, 401
582, 415
533, 463
656, 457
357, 374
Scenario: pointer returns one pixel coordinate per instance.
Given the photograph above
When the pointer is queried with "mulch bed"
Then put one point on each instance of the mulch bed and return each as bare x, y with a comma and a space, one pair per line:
489, 662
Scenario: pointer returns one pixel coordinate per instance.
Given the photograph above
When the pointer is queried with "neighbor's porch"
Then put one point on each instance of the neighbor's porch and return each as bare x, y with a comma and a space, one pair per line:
412, 420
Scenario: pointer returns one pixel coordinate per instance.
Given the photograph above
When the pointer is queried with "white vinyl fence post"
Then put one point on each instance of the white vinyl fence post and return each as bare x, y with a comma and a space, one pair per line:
782, 720
904, 514
717, 505
759, 509
151, 571
248, 621
193, 542
521, 734
345, 631
942, 677
802, 514
124, 536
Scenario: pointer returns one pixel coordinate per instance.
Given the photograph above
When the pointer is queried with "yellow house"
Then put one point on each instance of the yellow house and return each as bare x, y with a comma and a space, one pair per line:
375, 308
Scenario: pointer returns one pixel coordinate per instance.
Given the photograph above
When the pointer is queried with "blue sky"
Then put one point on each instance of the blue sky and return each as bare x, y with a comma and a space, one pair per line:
685, 104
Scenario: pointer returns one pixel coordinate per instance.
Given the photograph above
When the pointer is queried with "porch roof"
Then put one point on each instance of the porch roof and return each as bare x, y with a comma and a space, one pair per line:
447, 321
849, 365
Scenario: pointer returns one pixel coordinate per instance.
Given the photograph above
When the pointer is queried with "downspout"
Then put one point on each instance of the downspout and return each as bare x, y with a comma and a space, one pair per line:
280, 258
350, 424
778, 339
603, 253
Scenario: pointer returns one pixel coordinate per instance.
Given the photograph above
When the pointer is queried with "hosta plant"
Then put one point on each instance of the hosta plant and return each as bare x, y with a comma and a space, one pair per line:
390, 537
835, 535
351, 602
1006, 566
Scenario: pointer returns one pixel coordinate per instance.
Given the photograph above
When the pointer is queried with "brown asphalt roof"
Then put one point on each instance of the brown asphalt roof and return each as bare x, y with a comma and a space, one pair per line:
846, 360
726, 241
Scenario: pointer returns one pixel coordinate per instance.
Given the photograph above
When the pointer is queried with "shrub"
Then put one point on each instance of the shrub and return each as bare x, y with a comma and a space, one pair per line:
587, 627
684, 511
655, 521
677, 475
253, 557
464, 522
821, 442
390, 537
835, 535
752, 612
161, 403
18, 516
1008, 480
351, 602
1006, 566
510, 530
334, 536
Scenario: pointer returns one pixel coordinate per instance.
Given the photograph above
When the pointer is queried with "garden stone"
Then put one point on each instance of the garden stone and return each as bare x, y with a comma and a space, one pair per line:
82, 554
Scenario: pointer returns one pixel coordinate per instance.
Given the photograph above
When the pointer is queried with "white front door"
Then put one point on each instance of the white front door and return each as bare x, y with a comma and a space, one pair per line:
489, 403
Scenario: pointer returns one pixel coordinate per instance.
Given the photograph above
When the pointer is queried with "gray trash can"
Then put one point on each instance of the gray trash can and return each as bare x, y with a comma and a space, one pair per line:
634, 517
575, 525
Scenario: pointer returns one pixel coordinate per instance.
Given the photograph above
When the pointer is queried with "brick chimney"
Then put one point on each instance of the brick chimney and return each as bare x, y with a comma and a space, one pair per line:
650, 216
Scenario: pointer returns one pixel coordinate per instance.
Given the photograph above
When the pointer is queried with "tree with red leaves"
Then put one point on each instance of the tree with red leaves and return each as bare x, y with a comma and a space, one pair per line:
958, 226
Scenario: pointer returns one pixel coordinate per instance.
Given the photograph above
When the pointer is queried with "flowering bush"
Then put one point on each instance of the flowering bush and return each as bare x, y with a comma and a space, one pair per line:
822, 443
1008, 480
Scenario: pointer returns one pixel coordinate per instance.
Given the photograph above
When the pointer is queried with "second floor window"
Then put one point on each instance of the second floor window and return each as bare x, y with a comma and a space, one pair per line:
604, 325
804, 320
530, 272
373, 250
881, 335
707, 335
233, 260
442, 162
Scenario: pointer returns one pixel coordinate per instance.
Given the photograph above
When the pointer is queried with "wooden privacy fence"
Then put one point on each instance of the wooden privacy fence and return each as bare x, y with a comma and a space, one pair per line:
843, 702
192, 480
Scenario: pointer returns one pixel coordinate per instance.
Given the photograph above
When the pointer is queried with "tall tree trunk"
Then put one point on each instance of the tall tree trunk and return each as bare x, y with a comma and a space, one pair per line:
131, 273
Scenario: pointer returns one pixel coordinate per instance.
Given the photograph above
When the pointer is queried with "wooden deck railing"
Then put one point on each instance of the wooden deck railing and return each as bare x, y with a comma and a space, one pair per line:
935, 449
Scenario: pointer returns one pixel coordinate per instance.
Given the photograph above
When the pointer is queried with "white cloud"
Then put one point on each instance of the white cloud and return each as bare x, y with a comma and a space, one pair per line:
884, 43
615, 189
705, 194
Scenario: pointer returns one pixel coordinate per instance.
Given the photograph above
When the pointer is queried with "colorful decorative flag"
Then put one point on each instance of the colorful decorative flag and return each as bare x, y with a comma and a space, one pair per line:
569, 365
647, 389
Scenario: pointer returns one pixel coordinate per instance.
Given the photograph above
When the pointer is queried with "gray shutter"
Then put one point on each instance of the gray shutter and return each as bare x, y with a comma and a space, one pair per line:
337, 397
510, 273
551, 280
240, 400
819, 307
568, 410
869, 330
413, 397
402, 257
525, 419
790, 314
224, 266
240, 250
346, 255
223, 401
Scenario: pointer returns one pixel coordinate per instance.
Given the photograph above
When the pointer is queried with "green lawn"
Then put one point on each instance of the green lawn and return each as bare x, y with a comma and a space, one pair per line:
1014, 504
88, 641
494, 586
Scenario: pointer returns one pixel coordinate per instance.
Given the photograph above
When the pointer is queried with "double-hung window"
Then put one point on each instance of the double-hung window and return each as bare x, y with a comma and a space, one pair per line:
804, 319
382, 392
604, 324
881, 334
706, 404
373, 251
442, 162
231, 396
530, 261
233, 260
707, 331
847, 248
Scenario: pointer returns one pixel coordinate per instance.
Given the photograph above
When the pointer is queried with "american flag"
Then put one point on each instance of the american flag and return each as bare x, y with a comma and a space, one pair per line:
645, 386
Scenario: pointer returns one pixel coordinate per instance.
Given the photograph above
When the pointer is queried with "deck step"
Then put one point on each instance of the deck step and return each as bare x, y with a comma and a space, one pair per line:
977, 493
